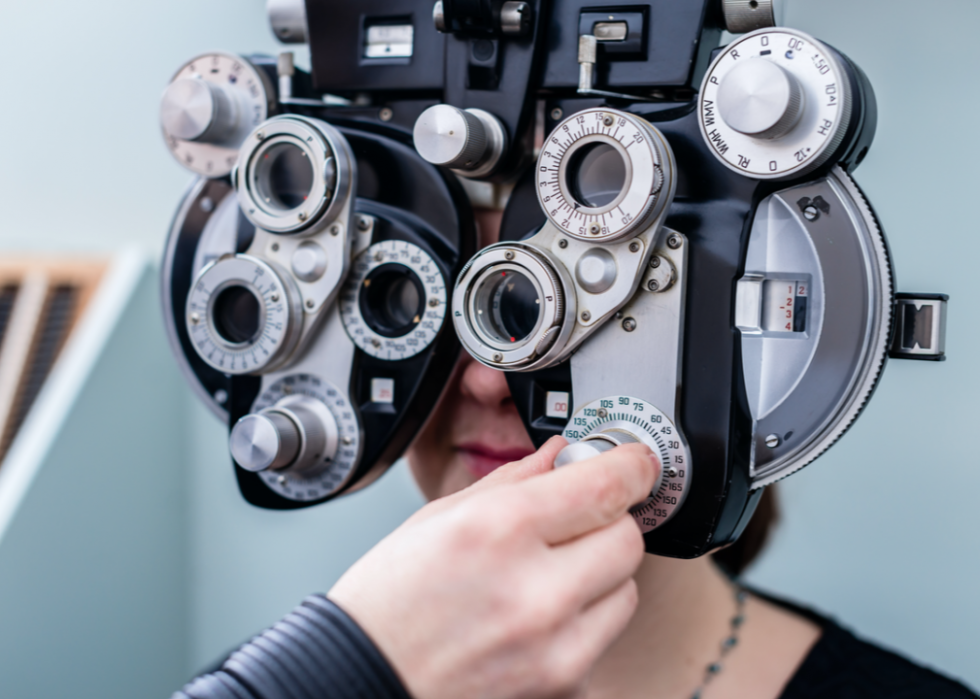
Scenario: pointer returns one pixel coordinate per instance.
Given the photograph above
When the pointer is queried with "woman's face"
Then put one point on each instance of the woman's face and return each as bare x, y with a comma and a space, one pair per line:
476, 427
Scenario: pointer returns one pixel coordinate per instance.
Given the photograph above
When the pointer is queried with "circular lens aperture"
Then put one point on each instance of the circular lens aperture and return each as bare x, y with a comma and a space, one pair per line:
508, 306
596, 175
237, 315
283, 176
392, 300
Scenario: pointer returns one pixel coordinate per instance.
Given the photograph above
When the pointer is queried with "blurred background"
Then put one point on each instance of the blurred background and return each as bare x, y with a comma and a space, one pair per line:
128, 561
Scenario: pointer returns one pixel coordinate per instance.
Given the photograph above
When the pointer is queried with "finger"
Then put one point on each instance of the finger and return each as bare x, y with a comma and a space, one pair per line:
535, 464
541, 461
589, 634
588, 495
598, 563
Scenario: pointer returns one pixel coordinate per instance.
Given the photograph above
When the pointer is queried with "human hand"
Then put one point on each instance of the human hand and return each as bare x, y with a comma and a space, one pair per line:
510, 589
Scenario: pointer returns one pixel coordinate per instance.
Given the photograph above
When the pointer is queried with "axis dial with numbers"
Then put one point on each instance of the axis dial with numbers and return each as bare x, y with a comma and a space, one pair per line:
330, 443
604, 175
394, 303
212, 103
643, 422
776, 104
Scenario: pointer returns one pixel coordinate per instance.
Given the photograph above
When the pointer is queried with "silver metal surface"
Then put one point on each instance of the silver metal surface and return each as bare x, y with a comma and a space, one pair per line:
758, 98
328, 424
610, 31
439, 16
792, 147
210, 106
806, 388
279, 325
649, 184
515, 18
288, 20
309, 262
470, 142
920, 328
434, 302
596, 271
333, 173
743, 16
269, 440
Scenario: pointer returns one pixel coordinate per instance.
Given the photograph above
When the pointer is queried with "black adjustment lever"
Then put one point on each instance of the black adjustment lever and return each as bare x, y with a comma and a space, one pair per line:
920, 327
483, 18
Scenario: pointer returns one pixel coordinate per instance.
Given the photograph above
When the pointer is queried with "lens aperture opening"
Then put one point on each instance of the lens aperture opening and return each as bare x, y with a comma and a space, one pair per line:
596, 175
237, 315
507, 306
283, 176
392, 300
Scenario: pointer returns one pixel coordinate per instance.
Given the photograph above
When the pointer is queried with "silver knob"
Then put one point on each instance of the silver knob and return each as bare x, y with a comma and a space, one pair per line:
742, 16
193, 109
470, 141
599, 443
269, 440
760, 99
288, 20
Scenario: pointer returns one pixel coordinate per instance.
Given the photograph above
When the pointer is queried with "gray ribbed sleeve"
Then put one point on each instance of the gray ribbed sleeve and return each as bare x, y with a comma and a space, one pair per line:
316, 652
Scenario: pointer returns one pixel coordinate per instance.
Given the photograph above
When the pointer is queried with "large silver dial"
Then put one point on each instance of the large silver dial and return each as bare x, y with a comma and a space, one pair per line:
645, 423
210, 106
243, 316
775, 104
331, 436
394, 302
604, 175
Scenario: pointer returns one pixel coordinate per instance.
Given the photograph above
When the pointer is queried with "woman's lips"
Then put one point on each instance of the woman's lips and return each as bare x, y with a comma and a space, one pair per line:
481, 460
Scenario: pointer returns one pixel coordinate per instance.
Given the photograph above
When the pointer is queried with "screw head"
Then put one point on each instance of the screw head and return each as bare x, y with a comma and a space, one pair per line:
498, 358
674, 242
655, 263
557, 113
433, 303
811, 213
634, 246
363, 223
608, 120
310, 303
376, 342
207, 205
275, 247
603, 413
672, 473
195, 318
595, 229
260, 135
386, 114
509, 255
563, 243
653, 285
629, 325
301, 216
274, 298
772, 441
347, 441
586, 316
282, 480
335, 230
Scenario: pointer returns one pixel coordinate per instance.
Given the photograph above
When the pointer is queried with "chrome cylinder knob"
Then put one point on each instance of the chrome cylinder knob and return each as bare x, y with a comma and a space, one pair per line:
472, 142
743, 16
196, 110
599, 443
269, 440
288, 20
760, 99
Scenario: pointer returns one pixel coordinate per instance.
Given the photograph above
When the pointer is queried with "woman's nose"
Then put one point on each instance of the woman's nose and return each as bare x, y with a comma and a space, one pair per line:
484, 385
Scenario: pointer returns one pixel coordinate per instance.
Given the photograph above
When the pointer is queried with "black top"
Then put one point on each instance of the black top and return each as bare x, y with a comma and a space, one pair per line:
844, 667
318, 652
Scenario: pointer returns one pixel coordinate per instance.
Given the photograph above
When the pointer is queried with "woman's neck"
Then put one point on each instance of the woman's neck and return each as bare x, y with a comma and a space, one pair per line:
684, 615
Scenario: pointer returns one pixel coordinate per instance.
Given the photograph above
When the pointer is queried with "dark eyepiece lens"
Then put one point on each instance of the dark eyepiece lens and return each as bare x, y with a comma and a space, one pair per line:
508, 306
236, 315
284, 176
596, 175
391, 300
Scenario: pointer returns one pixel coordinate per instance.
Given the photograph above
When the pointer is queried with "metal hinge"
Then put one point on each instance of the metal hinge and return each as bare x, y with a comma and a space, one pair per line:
920, 327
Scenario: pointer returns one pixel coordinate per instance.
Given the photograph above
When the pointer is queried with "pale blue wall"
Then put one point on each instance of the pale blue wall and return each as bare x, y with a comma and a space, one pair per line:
880, 531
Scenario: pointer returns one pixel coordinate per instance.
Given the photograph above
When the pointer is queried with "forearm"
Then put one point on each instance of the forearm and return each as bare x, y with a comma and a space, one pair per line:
316, 651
